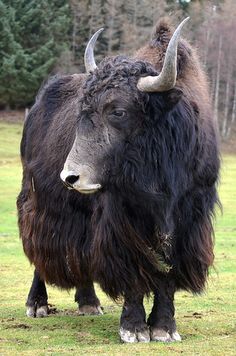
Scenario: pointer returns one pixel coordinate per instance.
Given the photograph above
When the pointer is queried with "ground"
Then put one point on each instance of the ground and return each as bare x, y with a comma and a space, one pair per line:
206, 323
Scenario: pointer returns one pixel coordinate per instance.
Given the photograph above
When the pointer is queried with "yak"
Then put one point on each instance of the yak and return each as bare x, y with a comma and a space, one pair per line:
120, 172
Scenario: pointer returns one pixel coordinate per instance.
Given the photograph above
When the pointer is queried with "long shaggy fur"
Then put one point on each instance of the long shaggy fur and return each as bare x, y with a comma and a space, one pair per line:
158, 199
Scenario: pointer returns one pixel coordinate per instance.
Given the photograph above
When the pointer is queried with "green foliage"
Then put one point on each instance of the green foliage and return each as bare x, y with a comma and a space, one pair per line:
32, 35
206, 322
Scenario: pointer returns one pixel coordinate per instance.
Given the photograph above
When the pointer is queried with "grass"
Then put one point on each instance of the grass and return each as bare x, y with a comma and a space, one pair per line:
206, 323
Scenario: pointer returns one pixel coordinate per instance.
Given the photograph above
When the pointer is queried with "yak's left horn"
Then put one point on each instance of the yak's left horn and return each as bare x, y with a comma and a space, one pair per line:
167, 78
89, 60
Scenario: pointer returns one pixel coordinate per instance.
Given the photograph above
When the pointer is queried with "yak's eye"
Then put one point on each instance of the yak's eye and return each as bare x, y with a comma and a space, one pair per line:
117, 117
118, 113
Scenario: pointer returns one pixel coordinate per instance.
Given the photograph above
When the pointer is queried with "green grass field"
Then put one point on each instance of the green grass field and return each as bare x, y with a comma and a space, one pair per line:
206, 323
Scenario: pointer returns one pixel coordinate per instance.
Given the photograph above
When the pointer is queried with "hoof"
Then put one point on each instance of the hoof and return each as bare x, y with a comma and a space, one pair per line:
30, 312
164, 336
90, 310
176, 336
37, 312
137, 336
42, 311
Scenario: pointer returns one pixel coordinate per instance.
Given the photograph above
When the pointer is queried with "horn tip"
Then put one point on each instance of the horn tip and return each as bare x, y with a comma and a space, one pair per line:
185, 20
99, 31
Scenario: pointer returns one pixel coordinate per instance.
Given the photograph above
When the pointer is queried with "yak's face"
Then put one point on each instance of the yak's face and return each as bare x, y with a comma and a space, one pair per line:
113, 109
112, 112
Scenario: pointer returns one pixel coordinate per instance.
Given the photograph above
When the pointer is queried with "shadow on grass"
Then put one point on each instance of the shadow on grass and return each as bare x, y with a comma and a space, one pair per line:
83, 330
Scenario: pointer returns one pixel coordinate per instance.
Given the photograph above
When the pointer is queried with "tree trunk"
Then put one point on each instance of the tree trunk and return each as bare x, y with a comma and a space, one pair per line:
207, 45
217, 86
135, 21
112, 14
226, 111
74, 35
233, 116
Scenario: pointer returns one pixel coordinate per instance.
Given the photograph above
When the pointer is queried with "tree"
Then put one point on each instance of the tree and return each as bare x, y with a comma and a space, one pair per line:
217, 44
32, 35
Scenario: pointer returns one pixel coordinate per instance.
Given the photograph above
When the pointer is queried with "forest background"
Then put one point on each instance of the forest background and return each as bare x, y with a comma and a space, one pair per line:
42, 38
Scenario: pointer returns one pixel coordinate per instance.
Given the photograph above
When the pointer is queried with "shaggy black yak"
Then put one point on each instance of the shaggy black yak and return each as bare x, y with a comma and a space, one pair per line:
134, 141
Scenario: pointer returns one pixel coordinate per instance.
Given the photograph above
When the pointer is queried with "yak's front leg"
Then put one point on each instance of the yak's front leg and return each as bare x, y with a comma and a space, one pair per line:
37, 301
161, 320
133, 327
87, 300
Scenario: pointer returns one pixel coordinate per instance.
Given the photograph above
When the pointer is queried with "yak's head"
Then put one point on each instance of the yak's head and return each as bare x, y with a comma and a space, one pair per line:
113, 115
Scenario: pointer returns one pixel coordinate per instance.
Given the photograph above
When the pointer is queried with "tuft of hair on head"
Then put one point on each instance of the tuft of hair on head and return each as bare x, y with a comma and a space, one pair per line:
162, 32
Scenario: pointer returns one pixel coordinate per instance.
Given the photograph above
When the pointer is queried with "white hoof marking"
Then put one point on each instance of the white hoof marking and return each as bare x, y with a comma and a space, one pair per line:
42, 311
164, 336
176, 336
127, 336
137, 336
143, 336
90, 310
160, 335
30, 312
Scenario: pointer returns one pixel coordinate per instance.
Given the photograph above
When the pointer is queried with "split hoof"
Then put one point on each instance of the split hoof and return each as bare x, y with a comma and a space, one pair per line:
37, 312
90, 310
176, 336
42, 311
164, 336
137, 336
30, 312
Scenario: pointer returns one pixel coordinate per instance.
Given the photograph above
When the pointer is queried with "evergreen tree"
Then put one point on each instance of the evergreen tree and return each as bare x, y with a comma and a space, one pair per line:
32, 35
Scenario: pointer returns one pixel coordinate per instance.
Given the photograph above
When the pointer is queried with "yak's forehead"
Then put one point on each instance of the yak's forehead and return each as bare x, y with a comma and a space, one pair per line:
123, 66
120, 73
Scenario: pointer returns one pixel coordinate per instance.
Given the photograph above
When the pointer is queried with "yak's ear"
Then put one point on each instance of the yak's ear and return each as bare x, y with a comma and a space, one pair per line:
172, 97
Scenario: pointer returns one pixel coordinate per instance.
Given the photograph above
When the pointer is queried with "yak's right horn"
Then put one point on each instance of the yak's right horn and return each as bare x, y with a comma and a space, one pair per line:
167, 78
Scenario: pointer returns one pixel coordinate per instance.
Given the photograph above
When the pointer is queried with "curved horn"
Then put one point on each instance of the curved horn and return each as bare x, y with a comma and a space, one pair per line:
167, 78
89, 60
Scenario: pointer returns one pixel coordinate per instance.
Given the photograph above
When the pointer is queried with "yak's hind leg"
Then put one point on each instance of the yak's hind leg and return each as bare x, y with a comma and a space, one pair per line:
37, 301
87, 300
133, 327
161, 320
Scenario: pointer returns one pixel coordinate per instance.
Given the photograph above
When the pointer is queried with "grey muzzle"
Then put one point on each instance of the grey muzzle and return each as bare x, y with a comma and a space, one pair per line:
79, 182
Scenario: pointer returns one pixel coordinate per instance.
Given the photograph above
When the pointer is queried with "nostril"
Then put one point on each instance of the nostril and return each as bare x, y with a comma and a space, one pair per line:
71, 179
